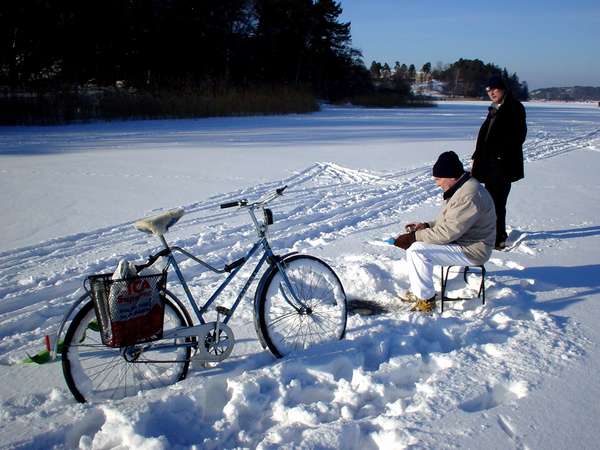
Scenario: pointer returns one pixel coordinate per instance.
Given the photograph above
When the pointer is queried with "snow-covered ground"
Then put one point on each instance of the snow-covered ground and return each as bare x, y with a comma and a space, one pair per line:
434, 89
519, 372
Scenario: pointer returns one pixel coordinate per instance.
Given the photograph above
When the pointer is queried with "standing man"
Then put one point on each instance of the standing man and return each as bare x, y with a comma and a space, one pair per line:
462, 235
498, 158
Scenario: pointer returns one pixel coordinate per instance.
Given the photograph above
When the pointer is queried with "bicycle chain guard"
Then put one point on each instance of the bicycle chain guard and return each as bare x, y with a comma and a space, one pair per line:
215, 342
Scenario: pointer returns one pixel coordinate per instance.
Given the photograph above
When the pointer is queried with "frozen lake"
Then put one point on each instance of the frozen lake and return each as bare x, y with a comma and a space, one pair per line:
519, 372
109, 172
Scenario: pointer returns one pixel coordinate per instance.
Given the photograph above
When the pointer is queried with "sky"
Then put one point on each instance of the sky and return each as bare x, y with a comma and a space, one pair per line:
547, 43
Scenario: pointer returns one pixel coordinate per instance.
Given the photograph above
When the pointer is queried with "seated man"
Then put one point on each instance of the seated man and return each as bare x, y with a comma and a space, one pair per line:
463, 234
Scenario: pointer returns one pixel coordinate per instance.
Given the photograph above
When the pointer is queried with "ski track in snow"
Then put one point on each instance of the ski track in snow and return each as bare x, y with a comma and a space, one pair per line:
387, 384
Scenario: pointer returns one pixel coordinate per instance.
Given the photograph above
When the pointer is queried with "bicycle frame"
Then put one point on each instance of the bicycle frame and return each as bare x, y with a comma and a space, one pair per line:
233, 270
200, 311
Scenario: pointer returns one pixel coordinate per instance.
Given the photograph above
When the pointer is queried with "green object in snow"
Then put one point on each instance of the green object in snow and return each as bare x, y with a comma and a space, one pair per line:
41, 357
44, 356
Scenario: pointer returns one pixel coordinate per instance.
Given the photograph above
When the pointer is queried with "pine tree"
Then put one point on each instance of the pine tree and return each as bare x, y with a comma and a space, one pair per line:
524, 91
386, 72
412, 73
375, 70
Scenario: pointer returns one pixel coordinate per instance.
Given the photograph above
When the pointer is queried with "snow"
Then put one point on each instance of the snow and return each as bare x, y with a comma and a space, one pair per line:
519, 371
434, 89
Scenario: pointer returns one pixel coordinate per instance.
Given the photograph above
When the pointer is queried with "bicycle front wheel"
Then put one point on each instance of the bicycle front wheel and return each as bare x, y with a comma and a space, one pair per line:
287, 326
95, 372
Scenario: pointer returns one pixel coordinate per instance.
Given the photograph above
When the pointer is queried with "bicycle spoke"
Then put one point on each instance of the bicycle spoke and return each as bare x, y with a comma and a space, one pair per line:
107, 372
329, 319
291, 331
101, 365
287, 323
282, 317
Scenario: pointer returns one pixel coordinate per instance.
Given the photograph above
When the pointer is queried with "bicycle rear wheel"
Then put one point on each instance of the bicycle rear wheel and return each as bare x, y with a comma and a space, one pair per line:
286, 327
95, 372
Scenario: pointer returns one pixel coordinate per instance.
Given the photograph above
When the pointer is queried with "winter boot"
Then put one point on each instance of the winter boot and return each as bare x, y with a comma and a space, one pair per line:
424, 305
408, 297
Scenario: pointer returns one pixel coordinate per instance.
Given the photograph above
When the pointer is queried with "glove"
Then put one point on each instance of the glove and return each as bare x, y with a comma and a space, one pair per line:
405, 240
416, 226
390, 241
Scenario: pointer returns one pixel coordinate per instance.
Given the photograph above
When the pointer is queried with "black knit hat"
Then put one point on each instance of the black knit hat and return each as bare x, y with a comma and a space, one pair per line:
496, 82
448, 166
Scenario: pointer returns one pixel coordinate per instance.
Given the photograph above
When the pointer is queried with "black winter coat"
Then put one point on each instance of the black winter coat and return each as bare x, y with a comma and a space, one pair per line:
499, 154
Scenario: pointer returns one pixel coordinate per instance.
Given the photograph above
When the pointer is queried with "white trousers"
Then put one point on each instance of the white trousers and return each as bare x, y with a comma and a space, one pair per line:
421, 258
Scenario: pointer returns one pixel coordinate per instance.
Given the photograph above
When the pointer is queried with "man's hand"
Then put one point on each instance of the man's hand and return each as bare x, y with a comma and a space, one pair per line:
405, 240
416, 226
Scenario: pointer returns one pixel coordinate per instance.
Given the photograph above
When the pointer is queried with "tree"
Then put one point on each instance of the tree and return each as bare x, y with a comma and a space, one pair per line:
335, 61
412, 73
438, 71
179, 44
375, 70
469, 77
386, 72
524, 91
400, 71
29, 42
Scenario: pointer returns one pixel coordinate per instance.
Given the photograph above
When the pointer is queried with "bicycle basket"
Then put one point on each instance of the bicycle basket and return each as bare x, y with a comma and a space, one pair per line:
130, 310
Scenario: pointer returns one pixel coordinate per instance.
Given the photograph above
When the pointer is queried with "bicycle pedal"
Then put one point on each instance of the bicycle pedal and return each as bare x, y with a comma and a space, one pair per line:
224, 311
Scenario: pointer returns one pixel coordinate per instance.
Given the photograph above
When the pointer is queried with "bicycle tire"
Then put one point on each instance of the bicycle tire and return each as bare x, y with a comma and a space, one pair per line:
285, 330
95, 372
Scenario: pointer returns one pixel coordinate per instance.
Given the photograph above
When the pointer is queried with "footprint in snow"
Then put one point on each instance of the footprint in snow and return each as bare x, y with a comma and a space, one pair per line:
509, 429
510, 264
496, 395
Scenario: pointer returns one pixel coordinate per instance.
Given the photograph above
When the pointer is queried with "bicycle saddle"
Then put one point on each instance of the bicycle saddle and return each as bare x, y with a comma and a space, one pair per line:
160, 223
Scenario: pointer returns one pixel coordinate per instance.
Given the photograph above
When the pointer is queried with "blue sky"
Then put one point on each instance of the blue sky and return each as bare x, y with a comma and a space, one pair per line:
547, 43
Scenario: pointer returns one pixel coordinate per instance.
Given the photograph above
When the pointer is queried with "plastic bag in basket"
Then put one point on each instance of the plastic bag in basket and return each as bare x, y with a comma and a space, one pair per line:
135, 305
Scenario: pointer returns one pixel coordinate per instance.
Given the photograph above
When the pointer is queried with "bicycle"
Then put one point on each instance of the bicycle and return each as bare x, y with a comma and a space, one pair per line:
299, 302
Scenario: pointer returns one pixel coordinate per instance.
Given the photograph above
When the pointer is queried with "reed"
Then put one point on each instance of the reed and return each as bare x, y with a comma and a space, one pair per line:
91, 104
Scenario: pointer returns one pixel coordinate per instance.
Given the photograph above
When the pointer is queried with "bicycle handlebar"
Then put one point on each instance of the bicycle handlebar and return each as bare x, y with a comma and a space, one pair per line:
239, 203
243, 202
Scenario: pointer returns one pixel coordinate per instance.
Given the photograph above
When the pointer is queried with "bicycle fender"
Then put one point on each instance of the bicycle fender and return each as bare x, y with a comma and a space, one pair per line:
63, 322
259, 289
180, 305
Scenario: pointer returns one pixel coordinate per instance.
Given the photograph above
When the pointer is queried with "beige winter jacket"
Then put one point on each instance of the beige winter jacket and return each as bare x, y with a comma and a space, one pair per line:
468, 219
